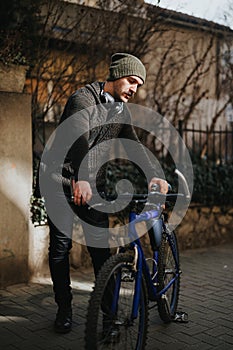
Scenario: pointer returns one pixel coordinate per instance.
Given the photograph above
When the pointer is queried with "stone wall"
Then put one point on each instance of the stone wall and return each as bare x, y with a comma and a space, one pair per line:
15, 186
204, 226
201, 227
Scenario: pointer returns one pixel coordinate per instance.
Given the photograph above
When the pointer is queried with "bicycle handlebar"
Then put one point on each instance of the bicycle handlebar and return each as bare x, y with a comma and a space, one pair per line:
153, 197
142, 197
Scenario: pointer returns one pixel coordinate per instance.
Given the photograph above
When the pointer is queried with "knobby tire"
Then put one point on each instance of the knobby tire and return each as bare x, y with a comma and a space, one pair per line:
131, 334
167, 304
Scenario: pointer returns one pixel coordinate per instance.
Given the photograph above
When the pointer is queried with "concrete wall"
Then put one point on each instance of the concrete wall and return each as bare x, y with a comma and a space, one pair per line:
38, 252
15, 186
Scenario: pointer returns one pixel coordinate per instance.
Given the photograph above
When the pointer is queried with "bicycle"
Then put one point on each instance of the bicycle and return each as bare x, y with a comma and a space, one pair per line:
117, 315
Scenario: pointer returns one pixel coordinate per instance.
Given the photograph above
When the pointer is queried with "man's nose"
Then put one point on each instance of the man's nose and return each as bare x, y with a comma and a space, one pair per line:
134, 88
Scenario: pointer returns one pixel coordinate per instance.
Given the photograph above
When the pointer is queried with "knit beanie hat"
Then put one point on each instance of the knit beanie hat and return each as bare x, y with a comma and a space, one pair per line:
124, 65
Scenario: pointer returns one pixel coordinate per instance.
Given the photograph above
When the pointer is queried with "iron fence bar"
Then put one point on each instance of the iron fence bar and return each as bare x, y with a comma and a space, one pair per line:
180, 129
220, 146
232, 143
219, 143
207, 142
226, 146
200, 138
213, 146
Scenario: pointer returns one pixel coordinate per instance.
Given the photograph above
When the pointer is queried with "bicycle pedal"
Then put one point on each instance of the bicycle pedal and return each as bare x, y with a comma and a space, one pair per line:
111, 335
180, 317
127, 277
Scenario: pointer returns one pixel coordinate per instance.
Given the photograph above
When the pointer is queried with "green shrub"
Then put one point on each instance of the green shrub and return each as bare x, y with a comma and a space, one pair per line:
212, 183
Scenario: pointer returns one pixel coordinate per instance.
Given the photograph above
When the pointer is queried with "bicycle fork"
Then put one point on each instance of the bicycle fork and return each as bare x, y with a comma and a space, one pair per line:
134, 275
177, 271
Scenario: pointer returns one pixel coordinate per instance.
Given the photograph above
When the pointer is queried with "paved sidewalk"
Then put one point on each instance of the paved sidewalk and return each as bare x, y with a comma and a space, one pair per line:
27, 311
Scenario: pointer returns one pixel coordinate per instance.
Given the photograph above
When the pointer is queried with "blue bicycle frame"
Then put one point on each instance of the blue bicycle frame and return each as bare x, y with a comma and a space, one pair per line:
141, 264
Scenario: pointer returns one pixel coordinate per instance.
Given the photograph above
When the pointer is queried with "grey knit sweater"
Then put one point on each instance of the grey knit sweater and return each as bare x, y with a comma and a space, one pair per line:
96, 123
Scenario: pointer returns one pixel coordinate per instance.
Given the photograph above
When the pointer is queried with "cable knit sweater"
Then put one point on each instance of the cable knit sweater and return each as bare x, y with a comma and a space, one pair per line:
96, 122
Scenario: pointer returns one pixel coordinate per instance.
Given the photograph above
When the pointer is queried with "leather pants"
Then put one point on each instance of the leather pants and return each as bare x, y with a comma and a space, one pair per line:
61, 243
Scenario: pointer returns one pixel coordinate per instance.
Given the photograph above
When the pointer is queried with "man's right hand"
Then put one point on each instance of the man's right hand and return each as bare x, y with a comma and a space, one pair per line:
82, 192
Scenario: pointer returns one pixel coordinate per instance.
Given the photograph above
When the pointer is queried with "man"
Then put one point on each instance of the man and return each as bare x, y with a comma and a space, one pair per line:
93, 127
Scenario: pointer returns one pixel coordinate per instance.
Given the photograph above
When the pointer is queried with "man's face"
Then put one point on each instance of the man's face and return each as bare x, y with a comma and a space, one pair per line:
126, 87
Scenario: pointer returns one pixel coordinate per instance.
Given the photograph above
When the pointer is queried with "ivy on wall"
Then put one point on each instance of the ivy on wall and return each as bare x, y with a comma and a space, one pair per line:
38, 211
213, 183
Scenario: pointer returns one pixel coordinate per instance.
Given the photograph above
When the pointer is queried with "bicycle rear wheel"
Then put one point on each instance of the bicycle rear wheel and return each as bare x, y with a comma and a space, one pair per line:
109, 329
168, 269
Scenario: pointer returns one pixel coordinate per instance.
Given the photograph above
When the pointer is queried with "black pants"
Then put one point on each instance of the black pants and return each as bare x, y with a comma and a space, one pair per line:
95, 228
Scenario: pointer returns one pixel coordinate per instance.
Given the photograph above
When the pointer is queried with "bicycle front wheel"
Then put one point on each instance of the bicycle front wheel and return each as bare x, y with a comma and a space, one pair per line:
110, 324
168, 273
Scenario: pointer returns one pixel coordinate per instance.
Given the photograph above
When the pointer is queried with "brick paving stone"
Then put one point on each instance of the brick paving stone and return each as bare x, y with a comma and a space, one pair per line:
217, 331
227, 338
203, 346
194, 329
209, 339
27, 311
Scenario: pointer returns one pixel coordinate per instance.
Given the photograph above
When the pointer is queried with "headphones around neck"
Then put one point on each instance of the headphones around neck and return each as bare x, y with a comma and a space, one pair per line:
107, 98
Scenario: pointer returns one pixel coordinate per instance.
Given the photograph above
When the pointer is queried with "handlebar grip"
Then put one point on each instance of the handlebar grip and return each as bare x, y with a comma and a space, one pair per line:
155, 188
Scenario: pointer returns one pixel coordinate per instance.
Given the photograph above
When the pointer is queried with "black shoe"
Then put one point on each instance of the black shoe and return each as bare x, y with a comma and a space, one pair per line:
63, 322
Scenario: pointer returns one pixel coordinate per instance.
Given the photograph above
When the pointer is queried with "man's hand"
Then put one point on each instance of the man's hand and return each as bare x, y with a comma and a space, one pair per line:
163, 185
82, 192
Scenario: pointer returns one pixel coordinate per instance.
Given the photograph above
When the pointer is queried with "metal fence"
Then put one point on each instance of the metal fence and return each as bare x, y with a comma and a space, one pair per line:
215, 146
212, 160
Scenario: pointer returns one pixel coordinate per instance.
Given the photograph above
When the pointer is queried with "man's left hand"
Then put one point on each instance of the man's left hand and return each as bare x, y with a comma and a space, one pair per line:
163, 185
